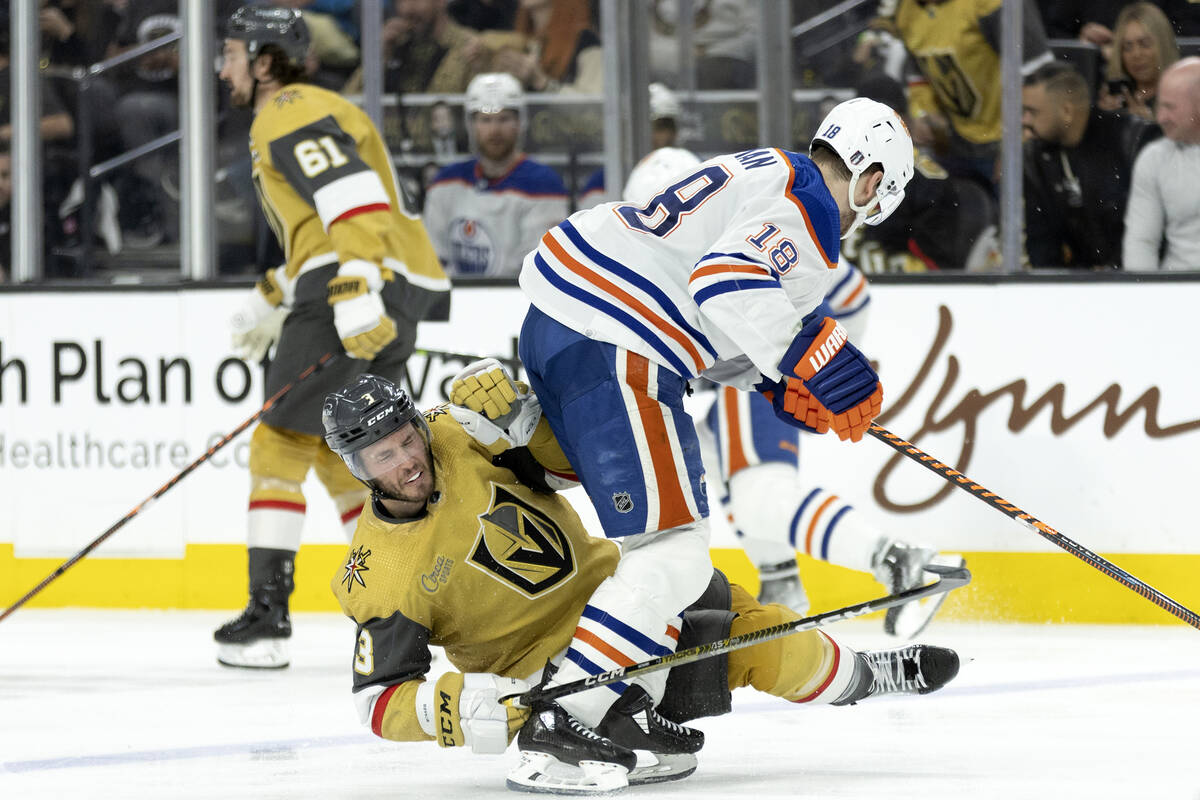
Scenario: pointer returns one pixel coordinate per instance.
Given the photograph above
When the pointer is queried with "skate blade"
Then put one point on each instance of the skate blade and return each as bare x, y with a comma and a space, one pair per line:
262, 654
542, 773
661, 767
908, 620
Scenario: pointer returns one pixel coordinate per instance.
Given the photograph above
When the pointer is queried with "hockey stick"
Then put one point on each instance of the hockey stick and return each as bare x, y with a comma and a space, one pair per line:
142, 506
1034, 524
948, 578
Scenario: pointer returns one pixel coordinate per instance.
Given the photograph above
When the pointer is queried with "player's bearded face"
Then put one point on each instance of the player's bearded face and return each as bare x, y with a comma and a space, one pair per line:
235, 72
400, 466
496, 134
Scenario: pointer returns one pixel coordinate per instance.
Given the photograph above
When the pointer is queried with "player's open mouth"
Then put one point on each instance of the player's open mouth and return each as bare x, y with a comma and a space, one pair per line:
415, 477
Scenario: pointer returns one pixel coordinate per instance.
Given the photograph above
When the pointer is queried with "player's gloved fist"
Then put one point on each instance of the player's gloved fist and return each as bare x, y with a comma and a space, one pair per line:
465, 710
484, 386
795, 405
470, 403
358, 313
255, 325
836, 374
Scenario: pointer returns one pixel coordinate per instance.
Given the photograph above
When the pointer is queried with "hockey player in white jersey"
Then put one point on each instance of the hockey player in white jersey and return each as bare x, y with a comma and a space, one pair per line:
718, 275
484, 214
756, 456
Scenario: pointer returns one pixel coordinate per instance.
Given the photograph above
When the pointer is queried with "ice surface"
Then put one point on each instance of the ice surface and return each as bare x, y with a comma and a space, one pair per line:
132, 705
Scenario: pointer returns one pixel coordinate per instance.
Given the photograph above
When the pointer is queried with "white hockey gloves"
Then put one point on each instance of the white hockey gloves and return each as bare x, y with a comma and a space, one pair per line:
358, 314
497, 411
464, 710
256, 325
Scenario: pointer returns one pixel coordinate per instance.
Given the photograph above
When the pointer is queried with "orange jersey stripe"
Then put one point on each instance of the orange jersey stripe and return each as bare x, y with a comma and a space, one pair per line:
812, 526
632, 302
672, 507
604, 647
803, 211
862, 285
737, 453
716, 269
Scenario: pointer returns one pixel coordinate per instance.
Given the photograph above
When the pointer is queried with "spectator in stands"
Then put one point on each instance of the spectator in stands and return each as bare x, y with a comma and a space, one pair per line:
724, 40
1077, 171
333, 26
1164, 201
954, 84
427, 51
944, 223
1143, 46
561, 50
484, 214
149, 108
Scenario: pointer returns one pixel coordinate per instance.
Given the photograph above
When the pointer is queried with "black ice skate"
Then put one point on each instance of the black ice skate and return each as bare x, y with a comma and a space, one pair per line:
780, 583
258, 638
561, 755
916, 669
900, 567
665, 750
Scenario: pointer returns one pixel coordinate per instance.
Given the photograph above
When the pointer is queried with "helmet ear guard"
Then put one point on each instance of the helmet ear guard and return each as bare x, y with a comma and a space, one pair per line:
863, 133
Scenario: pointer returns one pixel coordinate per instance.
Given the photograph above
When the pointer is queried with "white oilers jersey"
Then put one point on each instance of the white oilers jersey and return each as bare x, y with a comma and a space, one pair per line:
712, 276
484, 228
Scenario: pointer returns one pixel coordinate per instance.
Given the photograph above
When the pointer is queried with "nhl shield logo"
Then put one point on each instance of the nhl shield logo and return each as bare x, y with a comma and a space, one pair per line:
622, 502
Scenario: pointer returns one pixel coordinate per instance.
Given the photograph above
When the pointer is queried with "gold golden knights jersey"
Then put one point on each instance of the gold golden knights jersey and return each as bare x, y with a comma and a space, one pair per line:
955, 45
328, 189
495, 573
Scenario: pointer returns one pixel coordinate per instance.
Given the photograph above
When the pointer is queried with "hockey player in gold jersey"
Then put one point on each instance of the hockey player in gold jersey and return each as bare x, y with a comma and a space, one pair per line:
466, 545
360, 273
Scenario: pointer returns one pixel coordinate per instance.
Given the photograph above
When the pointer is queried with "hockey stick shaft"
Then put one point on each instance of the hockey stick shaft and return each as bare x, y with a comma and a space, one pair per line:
948, 578
149, 501
1034, 524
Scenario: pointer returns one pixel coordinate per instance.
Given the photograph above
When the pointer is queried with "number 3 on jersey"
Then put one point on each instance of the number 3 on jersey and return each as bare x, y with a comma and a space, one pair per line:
662, 214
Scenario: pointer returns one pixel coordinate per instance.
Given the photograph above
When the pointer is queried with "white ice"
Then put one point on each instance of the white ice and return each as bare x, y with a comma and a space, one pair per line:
132, 705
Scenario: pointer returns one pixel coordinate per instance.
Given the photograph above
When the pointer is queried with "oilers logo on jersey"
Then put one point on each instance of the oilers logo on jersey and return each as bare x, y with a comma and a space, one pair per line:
520, 546
472, 250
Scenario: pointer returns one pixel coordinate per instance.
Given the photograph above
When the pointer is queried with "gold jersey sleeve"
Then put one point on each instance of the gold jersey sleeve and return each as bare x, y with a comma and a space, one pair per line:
494, 573
326, 183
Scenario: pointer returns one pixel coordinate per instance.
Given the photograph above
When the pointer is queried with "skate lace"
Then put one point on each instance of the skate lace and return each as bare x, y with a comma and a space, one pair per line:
897, 670
583, 730
674, 727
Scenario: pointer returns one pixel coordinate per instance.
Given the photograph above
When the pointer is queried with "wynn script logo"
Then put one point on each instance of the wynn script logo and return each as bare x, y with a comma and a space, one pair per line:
974, 402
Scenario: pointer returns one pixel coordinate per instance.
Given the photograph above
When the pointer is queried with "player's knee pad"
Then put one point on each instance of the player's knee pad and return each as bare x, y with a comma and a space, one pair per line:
763, 500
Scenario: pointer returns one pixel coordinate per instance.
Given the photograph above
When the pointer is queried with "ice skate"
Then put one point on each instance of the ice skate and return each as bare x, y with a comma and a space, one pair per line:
780, 583
561, 755
915, 669
665, 750
258, 638
899, 567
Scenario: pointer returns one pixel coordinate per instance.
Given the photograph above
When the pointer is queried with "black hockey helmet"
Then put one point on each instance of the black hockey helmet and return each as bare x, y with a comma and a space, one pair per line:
259, 25
363, 412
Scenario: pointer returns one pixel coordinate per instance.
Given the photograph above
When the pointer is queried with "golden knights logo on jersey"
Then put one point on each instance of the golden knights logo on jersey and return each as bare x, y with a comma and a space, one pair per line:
520, 546
355, 566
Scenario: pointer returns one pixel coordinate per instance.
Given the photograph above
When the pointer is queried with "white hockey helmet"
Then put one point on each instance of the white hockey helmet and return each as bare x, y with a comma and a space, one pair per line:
663, 102
654, 172
865, 132
492, 92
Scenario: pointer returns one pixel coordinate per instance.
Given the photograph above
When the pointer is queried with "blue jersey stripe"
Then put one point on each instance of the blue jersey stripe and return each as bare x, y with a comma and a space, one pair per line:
625, 318
849, 312
592, 668
736, 285
829, 531
799, 513
739, 256
627, 274
851, 274
631, 635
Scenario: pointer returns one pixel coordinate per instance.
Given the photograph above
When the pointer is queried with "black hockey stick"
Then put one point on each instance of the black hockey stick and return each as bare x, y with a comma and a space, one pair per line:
1034, 524
142, 506
948, 578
